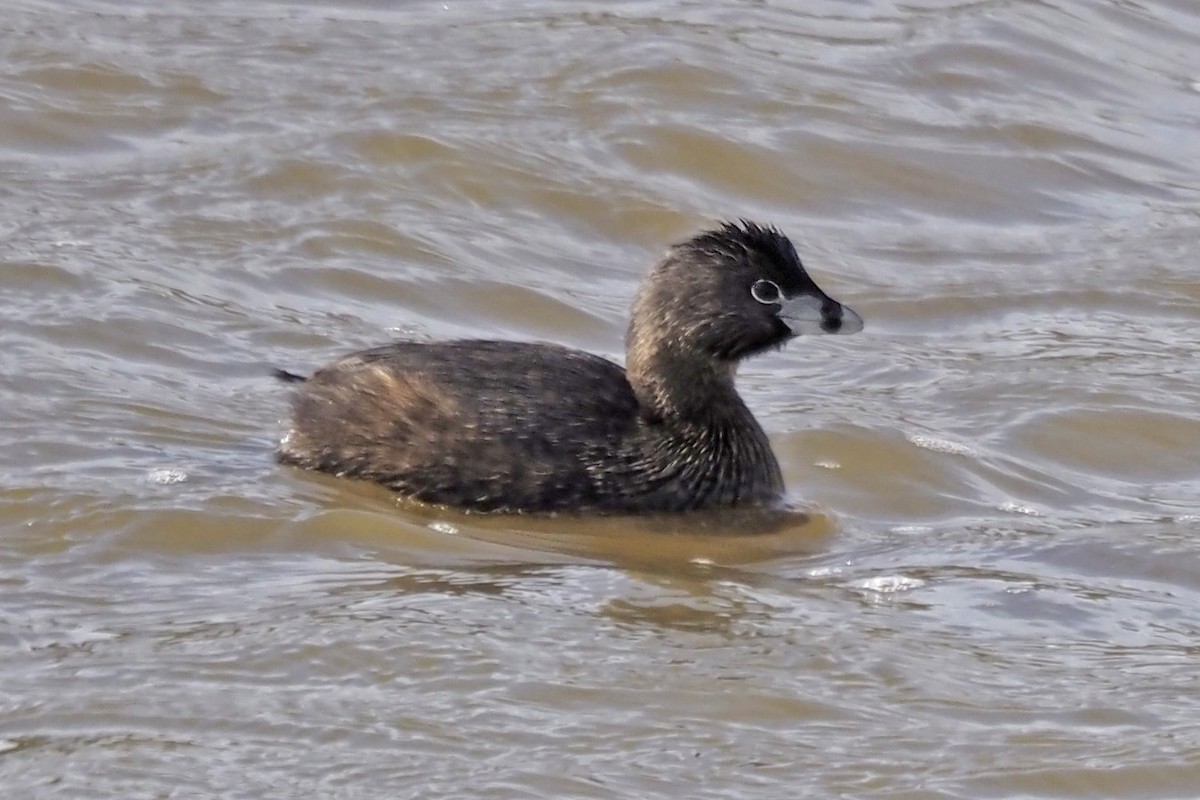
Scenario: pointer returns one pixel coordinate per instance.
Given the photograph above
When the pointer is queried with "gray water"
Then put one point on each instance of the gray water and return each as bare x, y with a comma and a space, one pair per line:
991, 588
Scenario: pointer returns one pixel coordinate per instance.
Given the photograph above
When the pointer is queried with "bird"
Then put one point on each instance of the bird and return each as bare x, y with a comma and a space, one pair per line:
532, 427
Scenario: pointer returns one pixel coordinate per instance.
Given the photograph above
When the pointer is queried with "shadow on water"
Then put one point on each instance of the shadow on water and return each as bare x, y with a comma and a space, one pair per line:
401, 531
694, 572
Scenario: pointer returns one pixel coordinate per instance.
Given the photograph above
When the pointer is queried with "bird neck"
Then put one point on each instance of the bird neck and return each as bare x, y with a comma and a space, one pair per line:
683, 387
715, 445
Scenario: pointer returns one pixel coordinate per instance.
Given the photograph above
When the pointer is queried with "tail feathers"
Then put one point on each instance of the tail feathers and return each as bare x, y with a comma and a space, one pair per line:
288, 377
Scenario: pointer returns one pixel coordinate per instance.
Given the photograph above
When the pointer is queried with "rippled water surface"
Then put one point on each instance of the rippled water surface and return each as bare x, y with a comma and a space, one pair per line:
991, 588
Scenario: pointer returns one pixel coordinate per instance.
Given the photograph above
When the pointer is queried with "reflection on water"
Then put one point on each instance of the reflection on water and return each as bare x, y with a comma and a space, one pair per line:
985, 585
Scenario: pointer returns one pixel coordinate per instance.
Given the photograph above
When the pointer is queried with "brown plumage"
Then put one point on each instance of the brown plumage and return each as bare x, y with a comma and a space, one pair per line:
512, 426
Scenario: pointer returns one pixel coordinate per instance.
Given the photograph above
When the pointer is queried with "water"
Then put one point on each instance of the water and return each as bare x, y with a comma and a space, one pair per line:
991, 589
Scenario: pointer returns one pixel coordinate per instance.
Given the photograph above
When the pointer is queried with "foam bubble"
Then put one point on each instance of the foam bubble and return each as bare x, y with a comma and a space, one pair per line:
890, 584
911, 529
942, 445
166, 477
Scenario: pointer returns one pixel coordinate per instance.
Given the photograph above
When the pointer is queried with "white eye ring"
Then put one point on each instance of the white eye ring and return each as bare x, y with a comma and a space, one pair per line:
766, 292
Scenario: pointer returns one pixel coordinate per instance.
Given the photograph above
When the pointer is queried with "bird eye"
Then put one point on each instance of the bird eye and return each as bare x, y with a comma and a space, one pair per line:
766, 292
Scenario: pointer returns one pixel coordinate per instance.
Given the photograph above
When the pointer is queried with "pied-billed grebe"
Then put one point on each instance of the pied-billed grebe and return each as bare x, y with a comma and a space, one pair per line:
513, 426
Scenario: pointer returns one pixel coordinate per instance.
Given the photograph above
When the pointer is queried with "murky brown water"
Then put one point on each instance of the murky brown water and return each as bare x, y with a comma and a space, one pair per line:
995, 591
